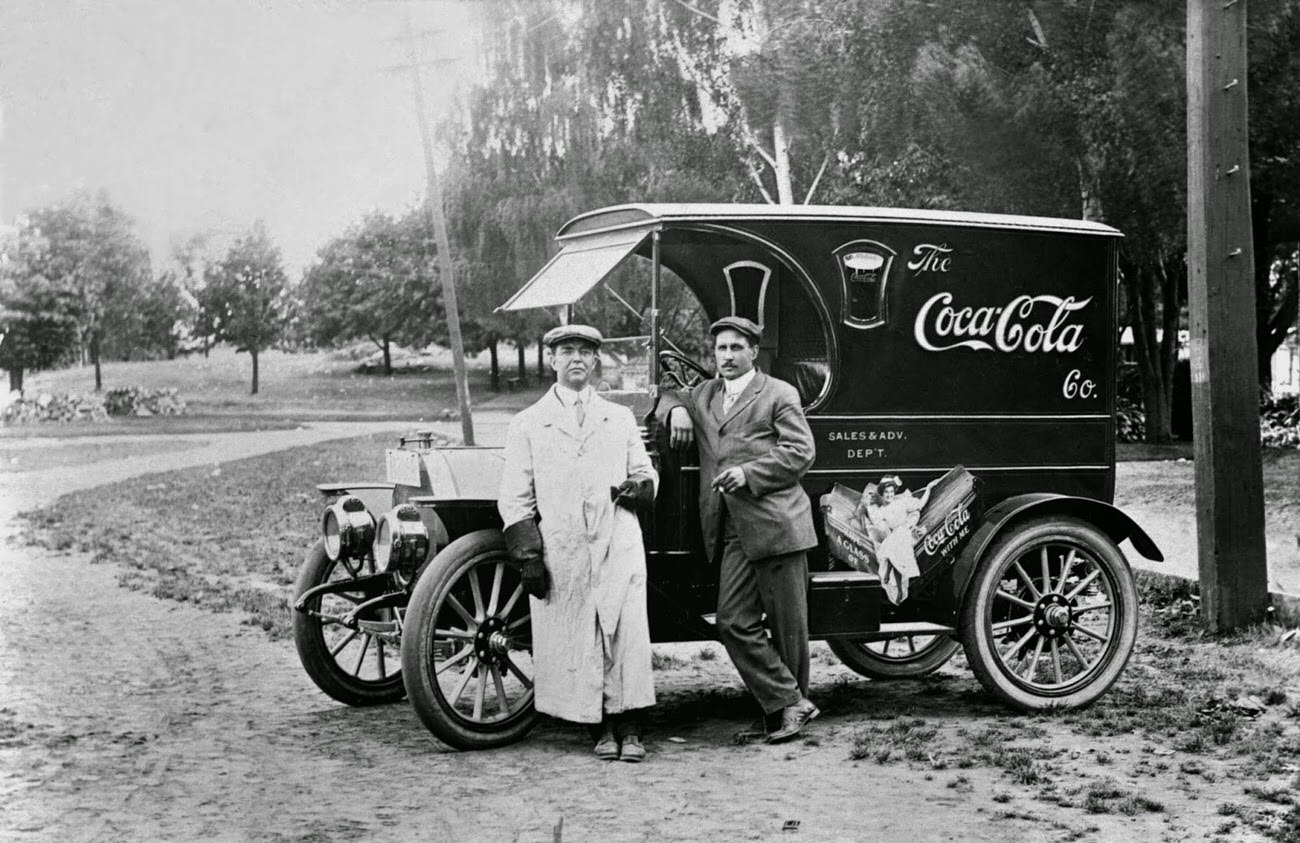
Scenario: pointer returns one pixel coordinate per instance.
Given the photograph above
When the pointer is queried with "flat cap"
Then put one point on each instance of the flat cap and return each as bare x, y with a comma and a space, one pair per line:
559, 334
738, 323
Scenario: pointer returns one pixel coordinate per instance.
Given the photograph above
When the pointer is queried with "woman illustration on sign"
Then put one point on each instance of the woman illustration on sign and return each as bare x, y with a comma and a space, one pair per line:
891, 517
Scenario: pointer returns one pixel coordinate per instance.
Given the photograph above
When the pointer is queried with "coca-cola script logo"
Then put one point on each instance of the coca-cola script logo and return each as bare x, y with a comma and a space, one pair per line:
950, 528
1028, 323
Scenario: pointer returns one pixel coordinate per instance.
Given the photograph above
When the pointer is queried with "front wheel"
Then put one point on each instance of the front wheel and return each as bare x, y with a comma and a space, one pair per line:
1050, 617
354, 665
904, 657
467, 646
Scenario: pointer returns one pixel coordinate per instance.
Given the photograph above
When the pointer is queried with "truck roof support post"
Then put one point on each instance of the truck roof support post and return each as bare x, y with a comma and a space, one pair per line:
655, 273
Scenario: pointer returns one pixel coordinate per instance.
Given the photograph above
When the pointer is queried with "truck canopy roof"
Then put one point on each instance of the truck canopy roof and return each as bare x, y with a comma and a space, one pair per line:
636, 215
594, 243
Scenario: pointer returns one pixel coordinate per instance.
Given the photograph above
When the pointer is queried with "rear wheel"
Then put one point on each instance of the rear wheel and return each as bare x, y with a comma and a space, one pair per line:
467, 646
904, 657
1050, 617
355, 666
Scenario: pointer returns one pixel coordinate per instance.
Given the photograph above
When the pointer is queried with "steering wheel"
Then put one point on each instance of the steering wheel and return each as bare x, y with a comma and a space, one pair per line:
682, 369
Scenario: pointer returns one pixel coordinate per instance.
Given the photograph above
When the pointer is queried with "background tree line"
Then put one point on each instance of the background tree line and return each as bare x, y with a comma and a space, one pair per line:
77, 284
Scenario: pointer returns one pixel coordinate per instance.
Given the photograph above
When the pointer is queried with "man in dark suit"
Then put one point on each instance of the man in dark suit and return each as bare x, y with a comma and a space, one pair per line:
755, 446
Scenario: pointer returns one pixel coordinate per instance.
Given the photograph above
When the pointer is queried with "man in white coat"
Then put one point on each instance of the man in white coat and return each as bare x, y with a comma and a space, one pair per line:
575, 473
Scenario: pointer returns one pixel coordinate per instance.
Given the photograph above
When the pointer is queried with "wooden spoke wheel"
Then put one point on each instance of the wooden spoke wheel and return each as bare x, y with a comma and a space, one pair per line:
1050, 616
357, 665
467, 646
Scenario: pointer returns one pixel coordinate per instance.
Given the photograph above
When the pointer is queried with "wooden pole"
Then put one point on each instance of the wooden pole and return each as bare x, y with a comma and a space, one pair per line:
1220, 260
433, 208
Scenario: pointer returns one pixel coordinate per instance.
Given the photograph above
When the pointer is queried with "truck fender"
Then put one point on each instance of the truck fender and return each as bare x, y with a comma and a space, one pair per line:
1108, 518
376, 495
456, 517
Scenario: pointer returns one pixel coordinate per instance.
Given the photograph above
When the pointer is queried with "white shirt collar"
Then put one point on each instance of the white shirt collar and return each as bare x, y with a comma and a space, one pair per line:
736, 386
569, 396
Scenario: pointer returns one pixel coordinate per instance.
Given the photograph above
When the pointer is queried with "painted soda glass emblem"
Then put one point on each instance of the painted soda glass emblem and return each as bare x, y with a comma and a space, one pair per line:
864, 271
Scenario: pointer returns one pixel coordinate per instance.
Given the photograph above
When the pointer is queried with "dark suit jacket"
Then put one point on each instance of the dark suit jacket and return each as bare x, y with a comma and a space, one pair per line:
765, 434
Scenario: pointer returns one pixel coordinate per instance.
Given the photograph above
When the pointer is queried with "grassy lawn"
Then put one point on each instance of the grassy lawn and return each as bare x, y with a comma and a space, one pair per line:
1172, 484
226, 540
294, 388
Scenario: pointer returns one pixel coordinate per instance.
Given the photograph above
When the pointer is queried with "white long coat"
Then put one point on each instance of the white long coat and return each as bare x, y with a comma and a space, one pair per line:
591, 637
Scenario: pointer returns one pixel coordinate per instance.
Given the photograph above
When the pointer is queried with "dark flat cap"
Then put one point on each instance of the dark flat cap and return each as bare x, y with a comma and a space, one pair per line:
738, 323
559, 334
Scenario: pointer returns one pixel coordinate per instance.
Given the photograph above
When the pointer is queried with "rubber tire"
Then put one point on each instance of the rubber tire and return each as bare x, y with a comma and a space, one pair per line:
976, 631
859, 659
314, 652
422, 688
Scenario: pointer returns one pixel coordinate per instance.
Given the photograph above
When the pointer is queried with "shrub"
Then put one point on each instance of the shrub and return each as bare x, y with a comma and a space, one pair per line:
1279, 421
137, 401
1130, 421
56, 407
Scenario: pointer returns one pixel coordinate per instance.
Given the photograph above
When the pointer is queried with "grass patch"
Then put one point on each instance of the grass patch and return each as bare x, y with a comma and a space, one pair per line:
296, 386
909, 738
1278, 794
228, 540
1283, 826
664, 661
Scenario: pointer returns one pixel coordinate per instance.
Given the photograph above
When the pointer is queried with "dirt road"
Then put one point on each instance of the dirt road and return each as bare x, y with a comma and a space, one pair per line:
123, 717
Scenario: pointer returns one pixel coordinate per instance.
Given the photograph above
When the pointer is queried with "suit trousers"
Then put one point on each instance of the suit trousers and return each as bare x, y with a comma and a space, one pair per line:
775, 670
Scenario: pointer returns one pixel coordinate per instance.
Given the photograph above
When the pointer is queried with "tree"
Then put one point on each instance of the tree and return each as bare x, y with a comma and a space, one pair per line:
94, 252
190, 259
165, 314
38, 324
246, 295
375, 282
582, 104
1059, 110
1274, 100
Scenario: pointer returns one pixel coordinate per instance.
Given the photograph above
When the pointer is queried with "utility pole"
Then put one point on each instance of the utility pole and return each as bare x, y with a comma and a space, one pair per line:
437, 218
1221, 297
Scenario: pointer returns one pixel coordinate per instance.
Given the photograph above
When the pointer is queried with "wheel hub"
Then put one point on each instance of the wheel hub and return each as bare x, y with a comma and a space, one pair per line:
491, 640
1052, 616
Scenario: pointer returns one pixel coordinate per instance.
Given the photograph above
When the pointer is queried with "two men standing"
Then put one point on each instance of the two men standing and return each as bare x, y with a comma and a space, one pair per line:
575, 472
755, 445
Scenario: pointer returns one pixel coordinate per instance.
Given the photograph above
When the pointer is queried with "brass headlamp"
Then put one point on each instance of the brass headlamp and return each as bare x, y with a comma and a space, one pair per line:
401, 542
348, 528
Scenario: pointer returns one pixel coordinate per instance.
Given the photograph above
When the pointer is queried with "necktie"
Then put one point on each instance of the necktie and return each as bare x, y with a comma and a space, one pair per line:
579, 412
728, 401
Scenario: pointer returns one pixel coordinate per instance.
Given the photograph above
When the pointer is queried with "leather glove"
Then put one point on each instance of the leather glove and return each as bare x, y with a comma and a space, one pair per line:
524, 544
634, 493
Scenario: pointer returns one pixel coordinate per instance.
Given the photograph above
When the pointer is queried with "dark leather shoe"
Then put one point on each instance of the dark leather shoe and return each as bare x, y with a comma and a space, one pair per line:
793, 719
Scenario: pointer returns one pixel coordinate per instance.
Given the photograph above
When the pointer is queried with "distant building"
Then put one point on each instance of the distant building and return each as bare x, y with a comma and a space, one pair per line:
1285, 362
1286, 365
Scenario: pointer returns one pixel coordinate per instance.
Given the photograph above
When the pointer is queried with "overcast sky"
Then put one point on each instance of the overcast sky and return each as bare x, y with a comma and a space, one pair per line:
203, 115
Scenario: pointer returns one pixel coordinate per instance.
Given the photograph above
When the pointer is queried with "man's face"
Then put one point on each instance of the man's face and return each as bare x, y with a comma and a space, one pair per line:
734, 353
573, 362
